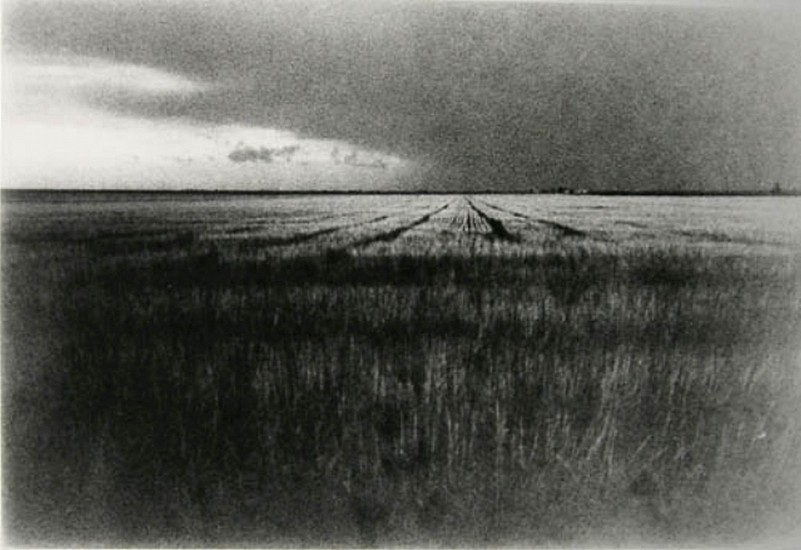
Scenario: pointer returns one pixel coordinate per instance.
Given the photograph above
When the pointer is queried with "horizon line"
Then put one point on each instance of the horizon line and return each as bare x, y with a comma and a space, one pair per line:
570, 192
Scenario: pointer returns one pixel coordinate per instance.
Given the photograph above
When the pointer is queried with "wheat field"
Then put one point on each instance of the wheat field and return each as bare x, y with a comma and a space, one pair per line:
400, 369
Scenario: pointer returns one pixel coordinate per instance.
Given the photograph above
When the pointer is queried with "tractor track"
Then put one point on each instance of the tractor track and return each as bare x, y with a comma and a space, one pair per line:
497, 229
636, 225
389, 236
263, 221
303, 237
565, 230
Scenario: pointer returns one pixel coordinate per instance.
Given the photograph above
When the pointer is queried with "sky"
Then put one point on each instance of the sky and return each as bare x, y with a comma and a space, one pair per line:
58, 132
432, 95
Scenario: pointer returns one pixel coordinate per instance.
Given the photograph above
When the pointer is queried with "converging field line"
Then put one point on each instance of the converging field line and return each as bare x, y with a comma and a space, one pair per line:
307, 236
566, 230
390, 236
497, 228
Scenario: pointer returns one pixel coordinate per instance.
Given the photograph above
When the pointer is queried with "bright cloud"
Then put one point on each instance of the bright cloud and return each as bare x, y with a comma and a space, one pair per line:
64, 72
53, 135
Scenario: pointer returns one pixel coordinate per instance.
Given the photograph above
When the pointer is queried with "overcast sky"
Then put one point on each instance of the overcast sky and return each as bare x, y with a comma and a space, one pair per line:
457, 95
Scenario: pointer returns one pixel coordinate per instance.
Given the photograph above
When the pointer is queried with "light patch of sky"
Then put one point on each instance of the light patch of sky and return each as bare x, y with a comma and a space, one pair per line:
222, 3
69, 72
762, 4
54, 136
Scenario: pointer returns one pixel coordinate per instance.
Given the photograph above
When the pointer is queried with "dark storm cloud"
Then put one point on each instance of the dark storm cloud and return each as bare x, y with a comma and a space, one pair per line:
508, 96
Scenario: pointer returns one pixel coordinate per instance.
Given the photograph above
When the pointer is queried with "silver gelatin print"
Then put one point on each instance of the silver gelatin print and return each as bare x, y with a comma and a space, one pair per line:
401, 273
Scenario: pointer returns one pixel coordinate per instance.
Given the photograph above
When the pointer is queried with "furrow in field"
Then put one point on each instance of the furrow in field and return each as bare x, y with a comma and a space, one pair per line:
391, 235
636, 225
254, 224
565, 230
497, 229
309, 235
267, 223
465, 219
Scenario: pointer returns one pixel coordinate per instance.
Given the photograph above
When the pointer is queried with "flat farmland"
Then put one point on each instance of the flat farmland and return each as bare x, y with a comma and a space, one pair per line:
400, 369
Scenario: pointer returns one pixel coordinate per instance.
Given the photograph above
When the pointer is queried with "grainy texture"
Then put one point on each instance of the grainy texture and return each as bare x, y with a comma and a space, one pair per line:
458, 96
399, 369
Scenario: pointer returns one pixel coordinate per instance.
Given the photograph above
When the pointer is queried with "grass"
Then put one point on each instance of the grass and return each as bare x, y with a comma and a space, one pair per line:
181, 389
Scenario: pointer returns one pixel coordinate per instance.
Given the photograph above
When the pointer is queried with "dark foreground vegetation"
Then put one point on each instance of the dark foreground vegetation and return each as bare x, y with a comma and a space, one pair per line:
178, 391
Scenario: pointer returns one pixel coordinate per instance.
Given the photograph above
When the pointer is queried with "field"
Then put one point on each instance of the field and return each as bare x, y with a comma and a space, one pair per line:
400, 369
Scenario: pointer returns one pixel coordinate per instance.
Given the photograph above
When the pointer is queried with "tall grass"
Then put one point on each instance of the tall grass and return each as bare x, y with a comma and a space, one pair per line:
207, 391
